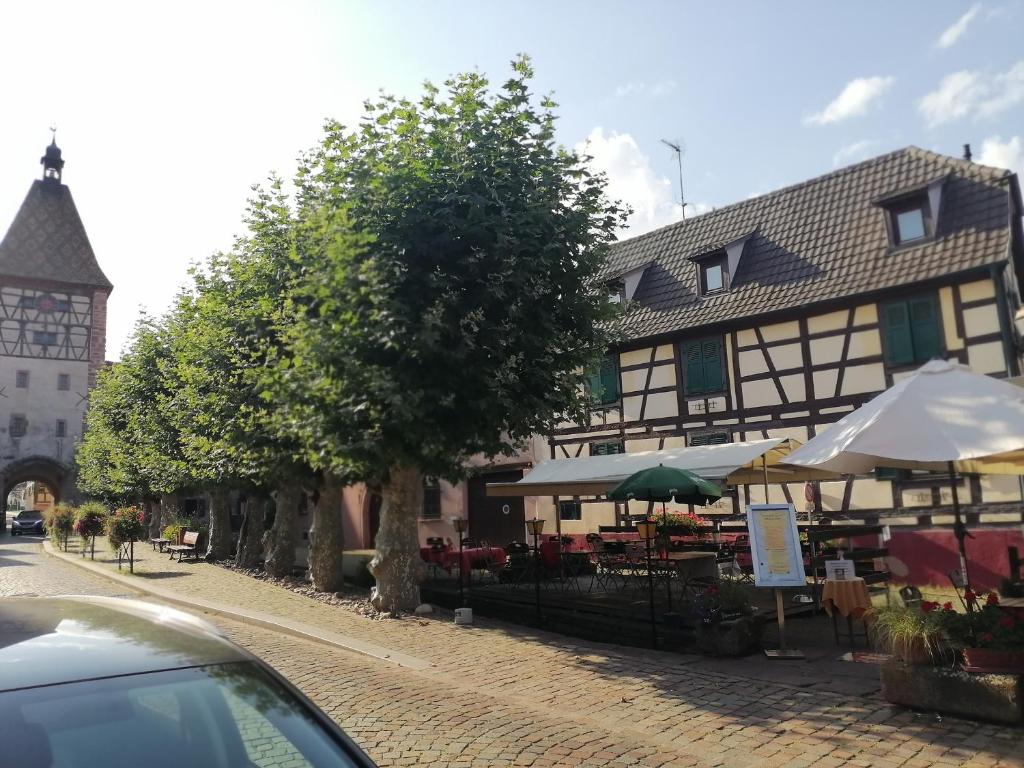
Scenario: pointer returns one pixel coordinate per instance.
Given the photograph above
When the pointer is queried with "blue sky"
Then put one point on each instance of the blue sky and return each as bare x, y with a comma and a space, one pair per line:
168, 114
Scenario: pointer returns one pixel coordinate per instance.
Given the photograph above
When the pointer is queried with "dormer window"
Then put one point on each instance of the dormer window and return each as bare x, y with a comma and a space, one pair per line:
909, 222
714, 275
911, 215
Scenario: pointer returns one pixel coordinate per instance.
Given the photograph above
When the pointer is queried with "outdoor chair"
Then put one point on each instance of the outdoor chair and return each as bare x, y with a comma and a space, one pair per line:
610, 574
490, 565
911, 596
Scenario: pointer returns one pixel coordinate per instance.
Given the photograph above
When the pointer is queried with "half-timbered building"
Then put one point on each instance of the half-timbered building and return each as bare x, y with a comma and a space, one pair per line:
776, 316
53, 310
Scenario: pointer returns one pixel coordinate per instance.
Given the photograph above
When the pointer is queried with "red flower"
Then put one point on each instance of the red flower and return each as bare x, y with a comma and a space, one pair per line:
947, 606
1006, 622
992, 599
927, 606
987, 637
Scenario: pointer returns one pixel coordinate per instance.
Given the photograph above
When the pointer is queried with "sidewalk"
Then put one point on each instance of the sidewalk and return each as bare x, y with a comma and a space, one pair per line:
711, 708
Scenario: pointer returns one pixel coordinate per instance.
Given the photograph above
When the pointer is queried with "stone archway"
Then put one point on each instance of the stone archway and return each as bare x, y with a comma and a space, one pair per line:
52, 473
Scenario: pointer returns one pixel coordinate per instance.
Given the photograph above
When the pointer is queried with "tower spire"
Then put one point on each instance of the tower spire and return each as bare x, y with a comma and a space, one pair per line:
52, 162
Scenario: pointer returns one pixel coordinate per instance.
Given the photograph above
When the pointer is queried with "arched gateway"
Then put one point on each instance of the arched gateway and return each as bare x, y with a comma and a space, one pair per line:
53, 317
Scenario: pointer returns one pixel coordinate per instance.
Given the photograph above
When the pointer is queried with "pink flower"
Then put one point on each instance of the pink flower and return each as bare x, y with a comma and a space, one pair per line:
947, 606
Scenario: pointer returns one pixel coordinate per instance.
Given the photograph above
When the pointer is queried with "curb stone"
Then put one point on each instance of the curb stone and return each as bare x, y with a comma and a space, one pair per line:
254, 618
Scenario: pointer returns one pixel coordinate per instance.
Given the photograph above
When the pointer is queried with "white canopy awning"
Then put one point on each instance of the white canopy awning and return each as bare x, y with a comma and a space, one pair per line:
942, 413
728, 463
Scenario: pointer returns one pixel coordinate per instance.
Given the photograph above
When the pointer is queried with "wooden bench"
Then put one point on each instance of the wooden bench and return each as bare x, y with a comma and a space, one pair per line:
187, 546
159, 542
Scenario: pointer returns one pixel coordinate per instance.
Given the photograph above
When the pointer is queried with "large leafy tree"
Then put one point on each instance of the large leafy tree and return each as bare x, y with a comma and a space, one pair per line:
224, 335
450, 300
131, 448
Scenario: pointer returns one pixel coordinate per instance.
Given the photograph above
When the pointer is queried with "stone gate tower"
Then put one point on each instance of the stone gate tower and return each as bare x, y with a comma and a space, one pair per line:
53, 327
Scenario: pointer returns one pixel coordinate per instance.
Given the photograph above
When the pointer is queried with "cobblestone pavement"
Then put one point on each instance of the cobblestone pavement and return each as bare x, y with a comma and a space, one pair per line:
497, 694
26, 570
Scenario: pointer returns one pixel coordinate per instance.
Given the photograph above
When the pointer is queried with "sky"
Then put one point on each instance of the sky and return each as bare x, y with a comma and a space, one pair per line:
168, 113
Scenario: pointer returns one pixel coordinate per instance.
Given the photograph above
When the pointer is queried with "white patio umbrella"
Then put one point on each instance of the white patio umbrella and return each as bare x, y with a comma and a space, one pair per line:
942, 417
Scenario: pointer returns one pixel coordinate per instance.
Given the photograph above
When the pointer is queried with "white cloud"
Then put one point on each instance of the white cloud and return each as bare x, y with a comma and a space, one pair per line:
855, 99
967, 93
632, 180
956, 30
1003, 154
641, 88
851, 153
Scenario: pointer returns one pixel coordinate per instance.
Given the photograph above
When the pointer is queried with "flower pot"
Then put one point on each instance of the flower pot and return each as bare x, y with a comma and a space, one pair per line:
737, 637
992, 661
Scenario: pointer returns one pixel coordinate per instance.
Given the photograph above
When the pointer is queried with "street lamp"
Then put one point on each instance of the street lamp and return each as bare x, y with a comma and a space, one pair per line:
536, 528
647, 530
460, 524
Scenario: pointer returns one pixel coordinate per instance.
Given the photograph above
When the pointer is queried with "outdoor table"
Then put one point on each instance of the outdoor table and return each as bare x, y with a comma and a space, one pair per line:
693, 564
846, 597
161, 542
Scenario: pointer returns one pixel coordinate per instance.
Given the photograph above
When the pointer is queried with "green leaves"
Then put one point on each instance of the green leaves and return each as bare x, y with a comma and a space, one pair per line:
430, 294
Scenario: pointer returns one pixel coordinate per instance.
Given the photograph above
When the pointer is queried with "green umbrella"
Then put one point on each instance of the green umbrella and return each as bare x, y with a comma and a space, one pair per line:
663, 484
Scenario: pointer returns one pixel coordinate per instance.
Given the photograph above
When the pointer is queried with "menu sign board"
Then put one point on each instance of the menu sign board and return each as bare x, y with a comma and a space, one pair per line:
775, 546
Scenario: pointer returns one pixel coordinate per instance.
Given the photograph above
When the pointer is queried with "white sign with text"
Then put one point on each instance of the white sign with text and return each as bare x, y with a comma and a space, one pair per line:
775, 546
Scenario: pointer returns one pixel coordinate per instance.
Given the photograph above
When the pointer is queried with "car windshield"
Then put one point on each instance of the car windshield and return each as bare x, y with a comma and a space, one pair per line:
30, 515
219, 716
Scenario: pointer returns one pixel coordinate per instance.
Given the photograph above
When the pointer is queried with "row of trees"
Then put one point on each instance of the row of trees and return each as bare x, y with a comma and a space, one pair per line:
427, 292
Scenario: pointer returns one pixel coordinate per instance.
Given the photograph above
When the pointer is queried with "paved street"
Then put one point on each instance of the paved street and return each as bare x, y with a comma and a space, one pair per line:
500, 695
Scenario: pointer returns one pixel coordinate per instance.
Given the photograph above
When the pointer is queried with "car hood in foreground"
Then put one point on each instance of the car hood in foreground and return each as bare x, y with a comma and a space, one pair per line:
56, 640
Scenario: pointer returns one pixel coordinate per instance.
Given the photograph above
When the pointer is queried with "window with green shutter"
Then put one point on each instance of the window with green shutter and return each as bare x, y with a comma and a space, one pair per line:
603, 383
715, 437
606, 449
911, 330
703, 371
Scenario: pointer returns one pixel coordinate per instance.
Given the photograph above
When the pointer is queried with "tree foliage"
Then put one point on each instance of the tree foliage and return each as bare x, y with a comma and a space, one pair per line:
449, 300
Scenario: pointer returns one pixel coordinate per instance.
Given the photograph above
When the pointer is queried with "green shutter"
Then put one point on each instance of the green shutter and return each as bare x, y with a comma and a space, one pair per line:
606, 449
694, 368
899, 345
609, 381
924, 328
594, 386
711, 351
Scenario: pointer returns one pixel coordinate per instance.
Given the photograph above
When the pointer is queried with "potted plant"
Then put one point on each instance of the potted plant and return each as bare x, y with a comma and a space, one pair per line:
59, 520
915, 635
90, 520
124, 527
727, 624
991, 638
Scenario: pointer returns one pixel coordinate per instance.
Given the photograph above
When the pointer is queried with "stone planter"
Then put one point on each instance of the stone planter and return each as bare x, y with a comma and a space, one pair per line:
988, 660
731, 637
996, 698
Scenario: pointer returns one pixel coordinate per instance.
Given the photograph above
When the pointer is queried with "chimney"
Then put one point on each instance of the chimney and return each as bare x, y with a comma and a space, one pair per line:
967, 152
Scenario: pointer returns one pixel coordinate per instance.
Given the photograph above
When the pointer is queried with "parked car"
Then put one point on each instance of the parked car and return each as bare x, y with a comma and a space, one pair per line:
27, 521
97, 681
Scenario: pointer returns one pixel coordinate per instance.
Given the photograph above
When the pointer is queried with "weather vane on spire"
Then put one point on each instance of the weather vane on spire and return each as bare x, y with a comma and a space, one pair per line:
53, 134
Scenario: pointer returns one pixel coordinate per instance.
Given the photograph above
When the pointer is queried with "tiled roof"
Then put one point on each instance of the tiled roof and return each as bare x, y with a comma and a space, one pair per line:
819, 240
47, 240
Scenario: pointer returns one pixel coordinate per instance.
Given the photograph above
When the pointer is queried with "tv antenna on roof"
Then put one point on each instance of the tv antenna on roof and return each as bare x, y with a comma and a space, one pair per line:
678, 147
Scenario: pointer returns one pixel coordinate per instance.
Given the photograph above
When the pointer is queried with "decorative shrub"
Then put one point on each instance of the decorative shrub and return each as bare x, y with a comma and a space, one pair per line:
59, 521
124, 525
173, 531
916, 635
720, 602
988, 626
689, 521
90, 519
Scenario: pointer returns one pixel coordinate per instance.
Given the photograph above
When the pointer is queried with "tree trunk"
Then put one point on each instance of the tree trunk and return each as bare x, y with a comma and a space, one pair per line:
219, 545
170, 508
397, 566
250, 538
327, 538
152, 512
281, 546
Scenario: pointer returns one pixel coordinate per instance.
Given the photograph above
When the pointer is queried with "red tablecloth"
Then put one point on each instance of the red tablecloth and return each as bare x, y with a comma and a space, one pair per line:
473, 556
